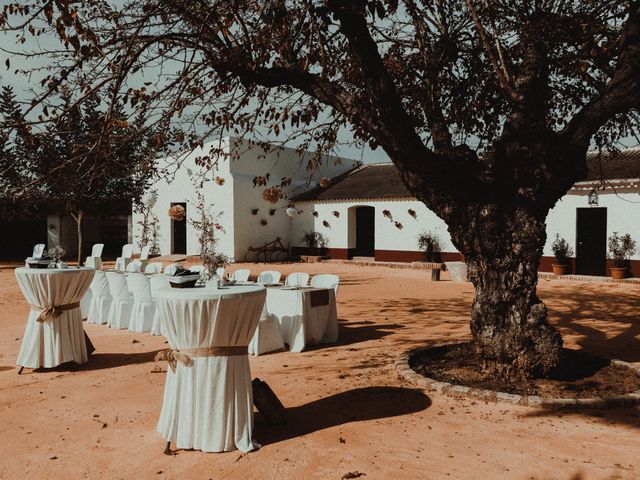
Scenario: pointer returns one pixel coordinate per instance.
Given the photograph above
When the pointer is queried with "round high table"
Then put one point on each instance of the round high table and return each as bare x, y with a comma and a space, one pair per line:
208, 397
54, 333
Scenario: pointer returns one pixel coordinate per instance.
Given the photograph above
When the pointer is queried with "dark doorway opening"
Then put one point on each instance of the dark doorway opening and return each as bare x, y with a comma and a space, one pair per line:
179, 232
365, 232
591, 241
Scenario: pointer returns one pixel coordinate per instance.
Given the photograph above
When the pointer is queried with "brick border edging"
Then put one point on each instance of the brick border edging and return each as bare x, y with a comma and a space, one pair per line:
406, 372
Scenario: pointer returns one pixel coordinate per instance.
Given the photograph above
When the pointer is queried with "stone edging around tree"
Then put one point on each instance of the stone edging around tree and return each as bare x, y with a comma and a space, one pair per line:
406, 372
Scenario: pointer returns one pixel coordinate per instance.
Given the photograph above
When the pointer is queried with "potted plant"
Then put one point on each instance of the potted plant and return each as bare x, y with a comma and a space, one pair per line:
56, 254
562, 252
316, 243
621, 249
428, 242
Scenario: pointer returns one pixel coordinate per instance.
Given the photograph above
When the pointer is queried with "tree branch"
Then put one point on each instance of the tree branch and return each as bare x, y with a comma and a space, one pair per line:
503, 81
621, 93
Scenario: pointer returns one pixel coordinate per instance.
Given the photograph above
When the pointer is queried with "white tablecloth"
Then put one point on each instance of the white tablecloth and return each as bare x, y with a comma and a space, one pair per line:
61, 339
307, 316
208, 405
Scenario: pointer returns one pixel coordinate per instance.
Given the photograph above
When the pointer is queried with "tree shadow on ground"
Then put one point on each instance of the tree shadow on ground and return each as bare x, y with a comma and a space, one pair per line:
360, 404
101, 361
604, 323
356, 332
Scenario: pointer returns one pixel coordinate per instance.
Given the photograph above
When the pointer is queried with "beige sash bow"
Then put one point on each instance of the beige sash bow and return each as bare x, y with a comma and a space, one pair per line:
172, 357
54, 311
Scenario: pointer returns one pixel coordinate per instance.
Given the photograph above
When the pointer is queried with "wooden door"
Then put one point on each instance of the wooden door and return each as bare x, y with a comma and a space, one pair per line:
591, 241
365, 232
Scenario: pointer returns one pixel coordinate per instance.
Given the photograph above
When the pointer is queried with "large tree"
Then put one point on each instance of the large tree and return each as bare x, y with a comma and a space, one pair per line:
78, 164
487, 108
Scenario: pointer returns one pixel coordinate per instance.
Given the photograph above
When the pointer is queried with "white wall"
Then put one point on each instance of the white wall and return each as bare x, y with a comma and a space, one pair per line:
252, 161
180, 186
387, 235
235, 199
623, 216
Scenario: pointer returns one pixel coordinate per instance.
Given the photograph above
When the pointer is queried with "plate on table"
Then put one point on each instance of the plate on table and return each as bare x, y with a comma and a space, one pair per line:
272, 284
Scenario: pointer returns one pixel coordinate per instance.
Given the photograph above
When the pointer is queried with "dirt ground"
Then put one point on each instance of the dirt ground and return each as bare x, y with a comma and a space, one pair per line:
349, 414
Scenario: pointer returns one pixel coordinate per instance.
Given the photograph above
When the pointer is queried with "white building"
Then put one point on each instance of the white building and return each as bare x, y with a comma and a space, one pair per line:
247, 219
367, 211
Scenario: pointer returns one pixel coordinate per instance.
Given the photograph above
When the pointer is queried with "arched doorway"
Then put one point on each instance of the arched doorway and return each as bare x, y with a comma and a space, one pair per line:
364, 232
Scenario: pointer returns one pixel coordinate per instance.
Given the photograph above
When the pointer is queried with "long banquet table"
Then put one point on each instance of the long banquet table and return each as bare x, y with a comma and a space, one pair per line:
208, 398
54, 332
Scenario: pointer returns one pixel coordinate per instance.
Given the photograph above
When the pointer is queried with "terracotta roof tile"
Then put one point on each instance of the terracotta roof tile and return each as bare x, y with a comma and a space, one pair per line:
383, 180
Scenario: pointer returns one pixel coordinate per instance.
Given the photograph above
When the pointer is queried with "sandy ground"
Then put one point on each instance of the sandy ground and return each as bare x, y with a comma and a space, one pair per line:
348, 411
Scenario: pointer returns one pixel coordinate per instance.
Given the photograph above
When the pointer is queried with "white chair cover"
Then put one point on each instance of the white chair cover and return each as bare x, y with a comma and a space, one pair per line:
38, 251
153, 268
241, 275
95, 259
143, 308
157, 283
85, 304
123, 261
144, 253
61, 339
297, 279
197, 268
326, 280
135, 266
100, 299
121, 301
267, 337
269, 276
208, 405
220, 272
302, 321
171, 269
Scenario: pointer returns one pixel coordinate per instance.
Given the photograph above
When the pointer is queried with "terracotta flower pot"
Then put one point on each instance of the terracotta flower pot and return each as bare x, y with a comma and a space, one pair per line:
618, 273
560, 269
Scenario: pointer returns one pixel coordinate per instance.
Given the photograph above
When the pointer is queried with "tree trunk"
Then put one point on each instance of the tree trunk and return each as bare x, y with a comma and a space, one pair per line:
508, 320
78, 216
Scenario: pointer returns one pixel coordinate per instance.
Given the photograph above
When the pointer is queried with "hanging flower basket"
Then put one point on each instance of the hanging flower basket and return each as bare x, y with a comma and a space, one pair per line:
325, 182
220, 180
387, 214
272, 194
177, 213
412, 212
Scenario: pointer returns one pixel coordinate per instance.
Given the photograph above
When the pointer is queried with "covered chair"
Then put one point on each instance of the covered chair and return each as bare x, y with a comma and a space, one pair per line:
140, 264
241, 275
268, 337
269, 277
220, 272
100, 299
196, 268
297, 279
171, 268
95, 259
85, 304
326, 280
153, 268
121, 301
157, 283
125, 259
143, 307
38, 251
